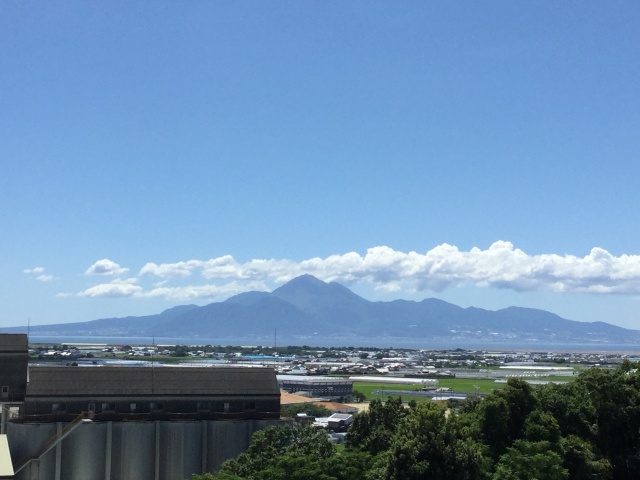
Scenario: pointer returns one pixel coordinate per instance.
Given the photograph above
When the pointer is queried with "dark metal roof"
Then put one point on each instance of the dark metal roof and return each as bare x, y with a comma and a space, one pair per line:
134, 381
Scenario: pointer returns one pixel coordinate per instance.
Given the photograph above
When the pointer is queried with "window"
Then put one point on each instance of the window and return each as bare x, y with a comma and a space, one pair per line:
58, 407
226, 407
132, 407
5, 390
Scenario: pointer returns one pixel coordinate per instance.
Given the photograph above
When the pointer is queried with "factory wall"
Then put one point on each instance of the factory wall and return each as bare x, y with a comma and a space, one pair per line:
125, 450
14, 356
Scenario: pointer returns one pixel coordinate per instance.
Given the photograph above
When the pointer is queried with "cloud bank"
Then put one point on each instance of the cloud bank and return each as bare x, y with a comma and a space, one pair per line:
445, 266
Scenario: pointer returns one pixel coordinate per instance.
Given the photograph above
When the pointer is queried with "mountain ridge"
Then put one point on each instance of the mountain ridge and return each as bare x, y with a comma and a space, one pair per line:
306, 305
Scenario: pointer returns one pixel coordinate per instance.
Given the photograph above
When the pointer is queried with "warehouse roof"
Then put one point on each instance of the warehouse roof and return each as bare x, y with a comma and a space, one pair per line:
314, 380
132, 381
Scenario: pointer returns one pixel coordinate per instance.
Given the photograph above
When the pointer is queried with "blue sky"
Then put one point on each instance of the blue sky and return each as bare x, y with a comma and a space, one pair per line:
161, 153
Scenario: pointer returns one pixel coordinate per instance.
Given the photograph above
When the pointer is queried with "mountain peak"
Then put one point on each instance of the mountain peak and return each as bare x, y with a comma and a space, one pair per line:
307, 280
302, 283
311, 294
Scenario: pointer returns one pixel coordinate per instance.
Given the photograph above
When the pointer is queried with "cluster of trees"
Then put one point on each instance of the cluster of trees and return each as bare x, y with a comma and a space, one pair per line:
312, 409
587, 429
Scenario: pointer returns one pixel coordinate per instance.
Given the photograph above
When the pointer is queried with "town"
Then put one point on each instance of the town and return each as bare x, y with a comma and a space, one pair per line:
202, 393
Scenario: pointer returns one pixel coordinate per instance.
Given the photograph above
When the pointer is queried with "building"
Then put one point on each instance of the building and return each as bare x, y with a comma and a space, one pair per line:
332, 388
14, 357
61, 393
118, 423
337, 422
340, 422
146, 393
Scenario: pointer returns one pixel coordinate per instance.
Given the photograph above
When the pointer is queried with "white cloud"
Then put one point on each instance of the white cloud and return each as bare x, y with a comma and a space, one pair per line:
195, 292
38, 274
34, 271
385, 269
166, 270
113, 290
221, 267
106, 267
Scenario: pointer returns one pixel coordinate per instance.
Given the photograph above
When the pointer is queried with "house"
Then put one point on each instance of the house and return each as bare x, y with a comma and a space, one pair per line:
339, 422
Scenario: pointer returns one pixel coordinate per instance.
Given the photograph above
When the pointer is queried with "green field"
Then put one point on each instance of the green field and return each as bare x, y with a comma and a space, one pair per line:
458, 385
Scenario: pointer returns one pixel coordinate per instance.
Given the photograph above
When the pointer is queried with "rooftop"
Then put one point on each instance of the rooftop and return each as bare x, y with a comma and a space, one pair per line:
309, 379
131, 381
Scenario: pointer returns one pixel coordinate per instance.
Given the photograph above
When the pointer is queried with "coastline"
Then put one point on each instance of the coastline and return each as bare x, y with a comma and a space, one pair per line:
326, 342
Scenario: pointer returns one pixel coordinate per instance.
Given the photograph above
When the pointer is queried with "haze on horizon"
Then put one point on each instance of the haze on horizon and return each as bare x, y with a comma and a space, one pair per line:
158, 155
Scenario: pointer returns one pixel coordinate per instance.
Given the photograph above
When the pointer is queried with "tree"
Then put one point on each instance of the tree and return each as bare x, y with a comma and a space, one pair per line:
340, 466
358, 396
542, 427
521, 401
180, 351
308, 408
274, 444
372, 431
503, 414
530, 461
494, 424
294, 452
290, 466
615, 396
430, 444
581, 462
571, 405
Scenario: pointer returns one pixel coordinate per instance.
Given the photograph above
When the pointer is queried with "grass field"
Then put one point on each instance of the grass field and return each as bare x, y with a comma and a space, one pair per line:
458, 385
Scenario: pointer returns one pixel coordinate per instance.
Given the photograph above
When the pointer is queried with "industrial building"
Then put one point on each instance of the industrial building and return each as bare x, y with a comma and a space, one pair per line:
105, 422
331, 388
14, 357
146, 393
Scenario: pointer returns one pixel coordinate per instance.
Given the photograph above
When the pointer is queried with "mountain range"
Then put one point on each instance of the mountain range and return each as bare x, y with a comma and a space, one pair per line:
307, 306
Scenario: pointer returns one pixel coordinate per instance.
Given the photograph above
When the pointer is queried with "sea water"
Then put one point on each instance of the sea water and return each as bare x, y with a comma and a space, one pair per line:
340, 341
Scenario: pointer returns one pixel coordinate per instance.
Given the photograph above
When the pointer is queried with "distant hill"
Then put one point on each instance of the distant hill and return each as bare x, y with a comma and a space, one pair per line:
306, 306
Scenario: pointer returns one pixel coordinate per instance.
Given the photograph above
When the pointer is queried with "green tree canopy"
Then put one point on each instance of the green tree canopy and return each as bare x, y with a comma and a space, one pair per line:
530, 461
429, 443
372, 430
